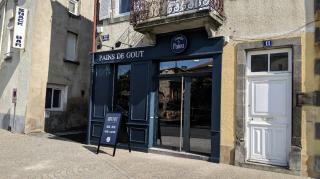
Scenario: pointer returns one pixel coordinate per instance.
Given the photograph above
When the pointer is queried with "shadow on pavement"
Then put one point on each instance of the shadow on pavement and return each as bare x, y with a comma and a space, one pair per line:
94, 150
79, 137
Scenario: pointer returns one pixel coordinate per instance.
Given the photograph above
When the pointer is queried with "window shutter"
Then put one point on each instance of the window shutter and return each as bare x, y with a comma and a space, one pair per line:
71, 50
104, 11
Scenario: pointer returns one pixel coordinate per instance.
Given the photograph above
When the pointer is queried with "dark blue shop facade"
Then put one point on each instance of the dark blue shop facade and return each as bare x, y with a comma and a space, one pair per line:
168, 94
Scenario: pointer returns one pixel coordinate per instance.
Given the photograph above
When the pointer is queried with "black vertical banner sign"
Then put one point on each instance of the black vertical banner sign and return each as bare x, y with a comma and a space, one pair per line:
110, 131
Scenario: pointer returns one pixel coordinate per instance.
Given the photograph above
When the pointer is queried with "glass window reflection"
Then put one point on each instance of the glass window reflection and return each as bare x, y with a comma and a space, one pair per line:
259, 63
122, 98
279, 62
123, 88
186, 66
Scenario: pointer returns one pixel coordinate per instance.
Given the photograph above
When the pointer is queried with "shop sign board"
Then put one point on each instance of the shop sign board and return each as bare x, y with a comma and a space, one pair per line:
119, 56
186, 44
110, 131
179, 43
20, 25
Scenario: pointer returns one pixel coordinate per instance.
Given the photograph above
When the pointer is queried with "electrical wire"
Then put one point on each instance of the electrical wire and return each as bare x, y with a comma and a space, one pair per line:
275, 36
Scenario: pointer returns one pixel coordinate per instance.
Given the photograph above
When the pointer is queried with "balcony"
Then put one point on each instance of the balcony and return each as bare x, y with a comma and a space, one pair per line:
161, 16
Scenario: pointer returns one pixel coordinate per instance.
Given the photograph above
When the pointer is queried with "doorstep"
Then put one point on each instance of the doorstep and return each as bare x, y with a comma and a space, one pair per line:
267, 167
178, 154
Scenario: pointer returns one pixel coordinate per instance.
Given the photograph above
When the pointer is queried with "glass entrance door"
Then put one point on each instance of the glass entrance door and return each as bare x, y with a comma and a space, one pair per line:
184, 106
170, 98
200, 114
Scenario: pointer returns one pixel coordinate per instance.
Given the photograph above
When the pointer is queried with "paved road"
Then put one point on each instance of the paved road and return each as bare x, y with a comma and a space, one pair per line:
23, 156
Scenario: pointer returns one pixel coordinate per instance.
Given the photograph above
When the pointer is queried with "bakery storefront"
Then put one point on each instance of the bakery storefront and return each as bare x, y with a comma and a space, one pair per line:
168, 94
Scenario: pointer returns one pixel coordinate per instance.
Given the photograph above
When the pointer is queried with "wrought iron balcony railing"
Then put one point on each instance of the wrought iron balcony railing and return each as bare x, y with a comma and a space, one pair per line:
144, 10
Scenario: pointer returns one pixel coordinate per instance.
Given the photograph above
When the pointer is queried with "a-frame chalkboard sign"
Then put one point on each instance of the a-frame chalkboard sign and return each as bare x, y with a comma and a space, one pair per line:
110, 132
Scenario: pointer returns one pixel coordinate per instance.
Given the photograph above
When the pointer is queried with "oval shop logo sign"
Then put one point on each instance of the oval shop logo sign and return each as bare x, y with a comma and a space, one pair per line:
179, 43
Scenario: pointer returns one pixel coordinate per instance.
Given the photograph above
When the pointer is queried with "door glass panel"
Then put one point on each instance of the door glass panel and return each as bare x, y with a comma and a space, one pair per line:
123, 87
122, 95
184, 118
169, 113
200, 115
259, 63
186, 66
279, 62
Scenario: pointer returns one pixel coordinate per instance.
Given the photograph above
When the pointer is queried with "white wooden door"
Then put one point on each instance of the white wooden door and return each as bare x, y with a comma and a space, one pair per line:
269, 105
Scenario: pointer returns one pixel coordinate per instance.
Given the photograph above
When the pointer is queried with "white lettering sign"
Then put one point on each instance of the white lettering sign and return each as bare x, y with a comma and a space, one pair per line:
20, 24
121, 56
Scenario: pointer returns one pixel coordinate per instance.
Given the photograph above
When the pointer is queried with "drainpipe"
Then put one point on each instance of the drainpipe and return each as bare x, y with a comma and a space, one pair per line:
94, 29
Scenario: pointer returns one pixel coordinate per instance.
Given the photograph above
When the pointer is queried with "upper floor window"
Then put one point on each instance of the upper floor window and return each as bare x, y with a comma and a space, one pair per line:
10, 28
71, 49
123, 7
74, 7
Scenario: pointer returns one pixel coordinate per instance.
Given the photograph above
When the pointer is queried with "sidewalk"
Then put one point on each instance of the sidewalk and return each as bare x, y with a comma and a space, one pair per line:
23, 156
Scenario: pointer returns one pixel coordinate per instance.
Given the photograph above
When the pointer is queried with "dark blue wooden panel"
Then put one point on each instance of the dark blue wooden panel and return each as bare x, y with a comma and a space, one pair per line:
102, 93
216, 108
138, 135
96, 129
139, 87
101, 99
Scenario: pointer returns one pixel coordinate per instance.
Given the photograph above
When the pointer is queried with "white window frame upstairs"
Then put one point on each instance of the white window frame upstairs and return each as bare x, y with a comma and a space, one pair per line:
76, 7
117, 9
2, 19
10, 27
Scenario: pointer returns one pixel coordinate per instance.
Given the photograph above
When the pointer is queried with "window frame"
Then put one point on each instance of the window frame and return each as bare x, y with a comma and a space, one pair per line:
76, 57
76, 7
10, 28
63, 97
269, 52
117, 9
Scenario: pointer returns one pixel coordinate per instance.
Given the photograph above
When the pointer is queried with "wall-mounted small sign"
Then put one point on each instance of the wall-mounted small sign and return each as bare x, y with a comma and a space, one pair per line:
119, 56
14, 95
267, 43
179, 43
20, 25
105, 38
